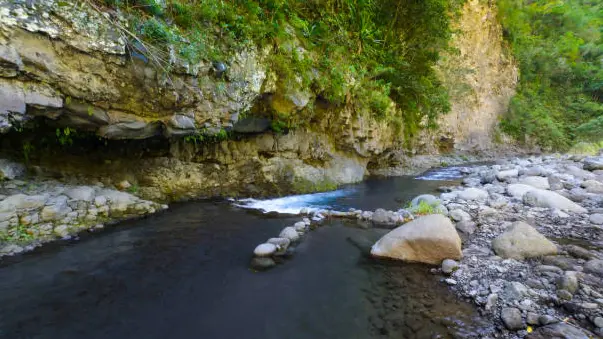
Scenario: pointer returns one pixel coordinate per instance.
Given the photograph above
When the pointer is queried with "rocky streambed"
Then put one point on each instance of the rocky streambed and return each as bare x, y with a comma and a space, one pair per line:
531, 253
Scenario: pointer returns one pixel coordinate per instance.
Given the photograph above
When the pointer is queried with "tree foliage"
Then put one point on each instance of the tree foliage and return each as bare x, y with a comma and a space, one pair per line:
559, 47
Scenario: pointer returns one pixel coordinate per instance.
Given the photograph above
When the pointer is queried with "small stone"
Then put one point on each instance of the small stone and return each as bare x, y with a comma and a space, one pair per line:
598, 321
265, 250
564, 295
547, 319
449, 266
512, 319
491, 301
62, 231
123, 185
568, 281
532, 318
450, 281
262, 263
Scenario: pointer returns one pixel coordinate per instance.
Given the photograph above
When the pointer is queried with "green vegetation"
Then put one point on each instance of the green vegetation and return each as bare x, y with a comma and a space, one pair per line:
204, 136
375, 55
423, 208
301, 185
559, 46
65, 136
17, 234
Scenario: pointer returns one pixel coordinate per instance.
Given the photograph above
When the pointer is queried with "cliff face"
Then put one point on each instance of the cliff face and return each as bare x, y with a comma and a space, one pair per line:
68, 65
481, 79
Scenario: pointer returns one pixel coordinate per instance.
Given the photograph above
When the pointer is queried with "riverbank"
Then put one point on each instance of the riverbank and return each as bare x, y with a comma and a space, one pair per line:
37, 210
531, 244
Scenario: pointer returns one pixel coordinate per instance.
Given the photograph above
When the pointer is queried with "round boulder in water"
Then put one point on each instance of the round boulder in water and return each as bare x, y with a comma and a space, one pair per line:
289, 233
300, 226
429, 239
265, 250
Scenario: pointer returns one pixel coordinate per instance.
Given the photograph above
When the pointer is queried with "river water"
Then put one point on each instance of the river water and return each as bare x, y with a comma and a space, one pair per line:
184, 274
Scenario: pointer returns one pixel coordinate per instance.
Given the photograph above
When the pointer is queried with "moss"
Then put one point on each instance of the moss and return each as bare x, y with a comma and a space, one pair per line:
302, 185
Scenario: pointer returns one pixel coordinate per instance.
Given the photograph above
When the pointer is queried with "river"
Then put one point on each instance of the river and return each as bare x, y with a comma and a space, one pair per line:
185, 274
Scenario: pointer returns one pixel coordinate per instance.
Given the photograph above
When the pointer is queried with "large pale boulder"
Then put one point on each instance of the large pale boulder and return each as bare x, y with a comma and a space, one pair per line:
537, 182
518, 190
550, 199
429, 239
522, 241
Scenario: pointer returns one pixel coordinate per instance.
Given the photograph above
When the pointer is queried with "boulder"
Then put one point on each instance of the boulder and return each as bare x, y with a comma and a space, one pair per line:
518, 190
289, 233
549, 199
593, 186
473, 194
596, 219
84, 193
429, 239
506, 175
460, 215
558, 330
10, 170
594, 266
522, 241
265, 250
593, 164
466, 227
22, 201
537, 182
427, 198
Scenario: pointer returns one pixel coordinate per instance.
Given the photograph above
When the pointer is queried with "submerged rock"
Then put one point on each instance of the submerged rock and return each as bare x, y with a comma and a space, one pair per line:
262, 263
522, 241
429, 239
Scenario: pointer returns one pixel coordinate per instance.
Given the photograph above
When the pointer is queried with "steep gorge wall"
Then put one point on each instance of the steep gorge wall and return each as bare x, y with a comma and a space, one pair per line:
481, 79
65, 65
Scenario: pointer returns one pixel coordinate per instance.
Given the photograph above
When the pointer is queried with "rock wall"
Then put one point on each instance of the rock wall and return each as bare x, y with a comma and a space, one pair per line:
67, 64
481, 77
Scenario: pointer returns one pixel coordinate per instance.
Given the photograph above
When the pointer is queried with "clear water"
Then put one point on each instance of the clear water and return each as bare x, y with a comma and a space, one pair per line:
185, 274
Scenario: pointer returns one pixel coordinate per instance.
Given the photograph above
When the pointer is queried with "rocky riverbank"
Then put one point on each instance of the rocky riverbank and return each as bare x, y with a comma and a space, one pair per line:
34, 211
531, 254
531, 244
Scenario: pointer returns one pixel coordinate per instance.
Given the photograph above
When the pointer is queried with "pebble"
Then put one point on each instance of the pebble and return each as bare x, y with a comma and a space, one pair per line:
450, 281
598, 321
512, 319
